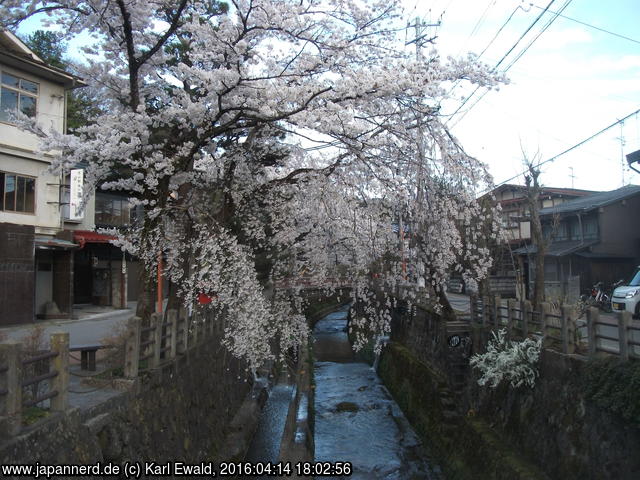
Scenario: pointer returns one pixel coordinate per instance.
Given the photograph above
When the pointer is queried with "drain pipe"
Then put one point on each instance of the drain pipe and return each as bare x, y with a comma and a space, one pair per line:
382, 340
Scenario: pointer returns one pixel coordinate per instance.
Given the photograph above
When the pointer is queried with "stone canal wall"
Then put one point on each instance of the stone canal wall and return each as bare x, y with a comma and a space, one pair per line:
558, 429
196, 408
199, 405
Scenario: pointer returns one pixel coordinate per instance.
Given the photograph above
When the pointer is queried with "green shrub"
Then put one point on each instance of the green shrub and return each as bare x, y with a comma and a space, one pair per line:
615, 386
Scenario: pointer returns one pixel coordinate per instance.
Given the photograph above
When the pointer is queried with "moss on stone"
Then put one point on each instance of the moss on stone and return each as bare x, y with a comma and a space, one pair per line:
466, 448
31, 415
615, 386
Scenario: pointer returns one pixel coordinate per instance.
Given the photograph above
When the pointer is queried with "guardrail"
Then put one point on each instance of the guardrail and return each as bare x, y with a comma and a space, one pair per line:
560, 330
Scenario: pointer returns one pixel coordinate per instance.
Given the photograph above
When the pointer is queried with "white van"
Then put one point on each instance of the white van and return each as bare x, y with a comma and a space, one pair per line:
627, 296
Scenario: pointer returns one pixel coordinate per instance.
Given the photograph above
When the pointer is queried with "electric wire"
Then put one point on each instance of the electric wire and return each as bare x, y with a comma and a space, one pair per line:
480, 21
457, 82
544, 29
512, 62
503, 58
592, 26
500, 30
564, 152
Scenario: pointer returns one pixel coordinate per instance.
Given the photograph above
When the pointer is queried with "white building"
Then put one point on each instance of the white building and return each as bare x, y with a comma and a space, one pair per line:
36, 244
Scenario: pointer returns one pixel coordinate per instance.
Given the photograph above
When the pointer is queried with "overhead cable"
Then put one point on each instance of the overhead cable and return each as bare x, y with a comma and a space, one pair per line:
577, 145
522, 52
500, 30
544, 29
592, 26
503, 58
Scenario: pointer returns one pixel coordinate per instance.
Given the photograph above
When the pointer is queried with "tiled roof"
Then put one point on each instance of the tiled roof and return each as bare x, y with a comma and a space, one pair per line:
591, 202
558, 249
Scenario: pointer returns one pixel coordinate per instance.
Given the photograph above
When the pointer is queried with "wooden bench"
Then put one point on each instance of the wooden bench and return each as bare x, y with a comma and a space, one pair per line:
88, 354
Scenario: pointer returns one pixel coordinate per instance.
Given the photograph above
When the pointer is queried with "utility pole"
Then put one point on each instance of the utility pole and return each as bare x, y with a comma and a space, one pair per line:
572, 176
419, 40
622, 144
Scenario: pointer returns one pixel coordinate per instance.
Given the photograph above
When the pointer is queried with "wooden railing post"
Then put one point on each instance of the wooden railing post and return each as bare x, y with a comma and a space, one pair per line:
473, 305
525, 306
485, 311
11, 402
185, 332
544, 312
172, 318
624, 320
132, 348
593, 317
511, 306
568, 329
497, 303
60, 344
211, 319
156, 323
195, 327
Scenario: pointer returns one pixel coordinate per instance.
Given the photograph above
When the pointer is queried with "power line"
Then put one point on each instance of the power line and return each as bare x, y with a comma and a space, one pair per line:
481, 19
544, 29
522, 52
503, 57
457, 82
500, 30
577, 145
592, 26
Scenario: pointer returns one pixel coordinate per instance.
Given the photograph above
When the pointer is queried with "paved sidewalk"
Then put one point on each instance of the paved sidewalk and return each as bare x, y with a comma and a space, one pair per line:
90, 325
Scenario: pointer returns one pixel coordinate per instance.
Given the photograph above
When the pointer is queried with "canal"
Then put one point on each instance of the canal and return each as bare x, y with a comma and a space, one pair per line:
356, 419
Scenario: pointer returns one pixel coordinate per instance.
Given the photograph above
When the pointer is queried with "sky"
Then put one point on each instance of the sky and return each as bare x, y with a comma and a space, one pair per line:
568, 84
572, 82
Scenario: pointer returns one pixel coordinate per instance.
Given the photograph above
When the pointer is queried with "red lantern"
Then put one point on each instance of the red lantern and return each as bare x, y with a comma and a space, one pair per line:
204, 299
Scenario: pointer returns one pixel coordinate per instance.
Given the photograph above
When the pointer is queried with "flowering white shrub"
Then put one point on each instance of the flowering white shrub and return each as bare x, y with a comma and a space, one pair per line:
508, 360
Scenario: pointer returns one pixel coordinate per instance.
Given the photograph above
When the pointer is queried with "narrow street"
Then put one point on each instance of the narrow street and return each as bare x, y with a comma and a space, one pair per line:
356, 419
92, 323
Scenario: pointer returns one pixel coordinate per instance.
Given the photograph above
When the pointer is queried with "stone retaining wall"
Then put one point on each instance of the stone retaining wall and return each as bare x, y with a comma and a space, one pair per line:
184, 411
551, 431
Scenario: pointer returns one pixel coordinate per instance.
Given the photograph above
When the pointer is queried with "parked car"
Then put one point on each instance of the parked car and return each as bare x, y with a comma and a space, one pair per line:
627, 296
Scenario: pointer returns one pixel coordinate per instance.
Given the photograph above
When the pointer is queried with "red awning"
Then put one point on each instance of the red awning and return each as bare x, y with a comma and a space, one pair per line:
87, 236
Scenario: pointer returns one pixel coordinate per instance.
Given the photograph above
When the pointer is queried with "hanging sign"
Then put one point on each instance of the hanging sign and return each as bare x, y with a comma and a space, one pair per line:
76, 212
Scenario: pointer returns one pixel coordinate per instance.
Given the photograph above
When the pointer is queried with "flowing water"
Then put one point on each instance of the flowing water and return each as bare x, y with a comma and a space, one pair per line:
265, 446
356, 419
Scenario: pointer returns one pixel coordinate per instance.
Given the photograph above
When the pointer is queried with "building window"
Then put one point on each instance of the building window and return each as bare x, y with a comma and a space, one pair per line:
574, 230
561, 233
17, 193
591, 228
112, 210
17, 94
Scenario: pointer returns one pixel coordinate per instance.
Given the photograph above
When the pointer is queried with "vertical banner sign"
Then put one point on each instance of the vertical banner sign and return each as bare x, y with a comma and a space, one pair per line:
75, 197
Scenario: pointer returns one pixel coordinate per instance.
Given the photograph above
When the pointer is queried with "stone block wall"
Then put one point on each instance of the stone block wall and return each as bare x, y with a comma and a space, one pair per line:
558, 426
183, 411
550, 431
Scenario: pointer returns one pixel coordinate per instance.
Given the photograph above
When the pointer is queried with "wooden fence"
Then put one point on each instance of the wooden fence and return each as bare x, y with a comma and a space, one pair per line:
149, 344
30, 379
616, 335
161, 339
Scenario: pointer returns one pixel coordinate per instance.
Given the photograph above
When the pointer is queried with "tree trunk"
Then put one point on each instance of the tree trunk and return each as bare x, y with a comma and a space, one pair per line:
533, 195
146, 298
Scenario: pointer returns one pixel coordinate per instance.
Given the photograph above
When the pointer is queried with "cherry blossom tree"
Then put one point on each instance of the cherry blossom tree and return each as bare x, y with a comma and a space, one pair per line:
274, 140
